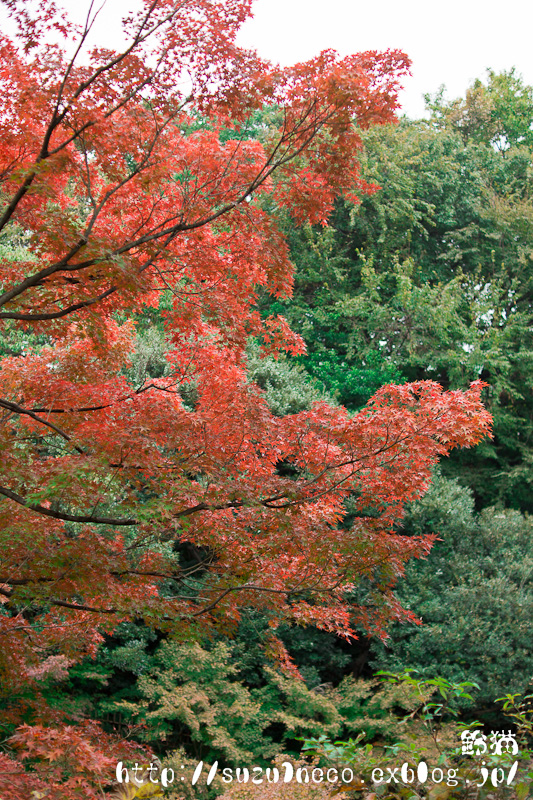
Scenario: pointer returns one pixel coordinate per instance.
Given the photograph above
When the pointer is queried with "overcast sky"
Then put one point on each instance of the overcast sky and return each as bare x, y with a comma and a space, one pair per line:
450, 43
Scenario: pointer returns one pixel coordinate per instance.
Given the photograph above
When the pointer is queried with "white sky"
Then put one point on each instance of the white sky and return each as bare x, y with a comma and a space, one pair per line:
450, 43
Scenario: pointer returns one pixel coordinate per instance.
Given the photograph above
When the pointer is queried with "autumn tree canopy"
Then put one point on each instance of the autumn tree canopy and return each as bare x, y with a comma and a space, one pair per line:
142, 183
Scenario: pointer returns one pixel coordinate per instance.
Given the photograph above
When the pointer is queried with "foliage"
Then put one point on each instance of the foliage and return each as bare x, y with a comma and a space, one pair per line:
498, 113
286, 385
202, 698
425, 738
62, 762
519, 708
429, 277
474, 596
194, 690
281, 791
415, 729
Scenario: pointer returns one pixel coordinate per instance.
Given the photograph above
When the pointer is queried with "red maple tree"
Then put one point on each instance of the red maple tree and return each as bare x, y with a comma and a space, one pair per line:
147, 181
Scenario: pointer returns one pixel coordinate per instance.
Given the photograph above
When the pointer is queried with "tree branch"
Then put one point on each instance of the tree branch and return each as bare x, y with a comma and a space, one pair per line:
48, 512
16, 409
